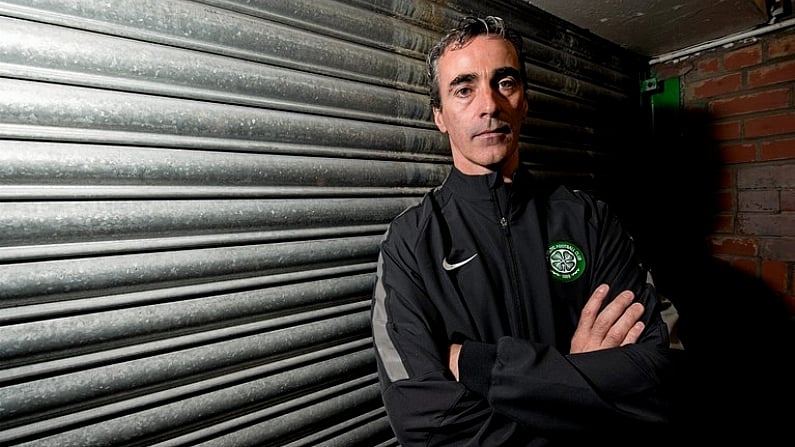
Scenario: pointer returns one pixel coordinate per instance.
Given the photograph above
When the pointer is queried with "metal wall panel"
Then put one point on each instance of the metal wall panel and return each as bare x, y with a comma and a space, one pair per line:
192, 195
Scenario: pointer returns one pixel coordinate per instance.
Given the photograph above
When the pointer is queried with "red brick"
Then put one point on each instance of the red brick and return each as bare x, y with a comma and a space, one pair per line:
778, 149
695, 108
723, 223
770, 125
766, 176
734, 246
778, 249
722, 259
711, 65
726, 131
781, 46
789, 302
788, 201
725, 178
772, 74
774, 274
747, 265
670, 70
764, 200
742, 58
758, 224
716, 86
738, 153
750, 103
724, 200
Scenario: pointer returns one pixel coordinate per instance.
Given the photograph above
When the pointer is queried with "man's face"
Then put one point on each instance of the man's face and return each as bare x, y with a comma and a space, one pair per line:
483, 105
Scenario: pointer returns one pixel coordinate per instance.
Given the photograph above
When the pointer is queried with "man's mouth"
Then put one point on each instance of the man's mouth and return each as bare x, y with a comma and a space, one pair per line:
502, 130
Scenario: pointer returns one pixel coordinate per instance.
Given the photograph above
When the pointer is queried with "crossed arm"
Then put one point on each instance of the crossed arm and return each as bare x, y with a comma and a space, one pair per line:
618, 324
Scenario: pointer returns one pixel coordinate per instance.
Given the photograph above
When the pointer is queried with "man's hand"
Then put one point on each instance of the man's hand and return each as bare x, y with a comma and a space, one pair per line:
616, 325
452, 359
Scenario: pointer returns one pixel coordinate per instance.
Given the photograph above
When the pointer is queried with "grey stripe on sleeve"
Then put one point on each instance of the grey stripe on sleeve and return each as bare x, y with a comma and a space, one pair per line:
384, 347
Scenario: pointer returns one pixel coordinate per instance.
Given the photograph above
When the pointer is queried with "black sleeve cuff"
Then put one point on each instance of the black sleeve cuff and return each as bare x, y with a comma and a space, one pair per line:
475, 362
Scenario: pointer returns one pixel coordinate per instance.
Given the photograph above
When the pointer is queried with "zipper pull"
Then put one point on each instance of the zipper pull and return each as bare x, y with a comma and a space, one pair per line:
503, 222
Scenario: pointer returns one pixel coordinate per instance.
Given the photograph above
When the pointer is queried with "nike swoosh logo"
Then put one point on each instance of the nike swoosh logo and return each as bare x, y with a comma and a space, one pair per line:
447, 266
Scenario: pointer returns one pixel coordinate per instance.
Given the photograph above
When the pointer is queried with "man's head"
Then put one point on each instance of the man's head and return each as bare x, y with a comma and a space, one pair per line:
478, 94
468, 28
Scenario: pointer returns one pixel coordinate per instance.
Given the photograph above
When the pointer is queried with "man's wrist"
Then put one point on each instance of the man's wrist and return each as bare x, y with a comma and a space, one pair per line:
475, 362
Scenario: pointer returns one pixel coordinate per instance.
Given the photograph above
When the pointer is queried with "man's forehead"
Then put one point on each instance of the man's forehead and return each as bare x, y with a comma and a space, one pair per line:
491, 40
489, 52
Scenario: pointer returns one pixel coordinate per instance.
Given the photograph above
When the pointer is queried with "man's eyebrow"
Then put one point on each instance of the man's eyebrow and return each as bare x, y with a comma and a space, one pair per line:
504, 72
463, 79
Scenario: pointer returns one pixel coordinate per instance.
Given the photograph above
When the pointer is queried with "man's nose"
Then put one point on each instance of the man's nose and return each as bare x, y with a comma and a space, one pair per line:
489, 102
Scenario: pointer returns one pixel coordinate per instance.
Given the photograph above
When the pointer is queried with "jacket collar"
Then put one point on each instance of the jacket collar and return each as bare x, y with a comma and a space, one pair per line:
482, 187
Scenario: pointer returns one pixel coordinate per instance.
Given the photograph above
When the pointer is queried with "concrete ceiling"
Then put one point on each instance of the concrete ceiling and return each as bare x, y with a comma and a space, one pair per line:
655, 27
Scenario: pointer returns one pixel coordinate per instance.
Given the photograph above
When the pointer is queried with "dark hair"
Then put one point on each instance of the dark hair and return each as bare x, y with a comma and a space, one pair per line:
468, 28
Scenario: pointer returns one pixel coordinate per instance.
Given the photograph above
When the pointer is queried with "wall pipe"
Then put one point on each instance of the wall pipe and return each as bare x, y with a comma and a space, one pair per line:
722, 41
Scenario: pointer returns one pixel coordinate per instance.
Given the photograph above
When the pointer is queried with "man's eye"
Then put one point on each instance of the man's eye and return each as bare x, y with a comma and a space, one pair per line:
507, 84
463, 91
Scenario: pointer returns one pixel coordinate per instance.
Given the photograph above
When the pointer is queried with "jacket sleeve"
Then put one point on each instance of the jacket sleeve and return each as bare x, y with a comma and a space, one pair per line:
424, 403
618, 390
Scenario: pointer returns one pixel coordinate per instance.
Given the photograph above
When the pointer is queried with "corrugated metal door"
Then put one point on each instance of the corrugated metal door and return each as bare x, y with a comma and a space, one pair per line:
191, 198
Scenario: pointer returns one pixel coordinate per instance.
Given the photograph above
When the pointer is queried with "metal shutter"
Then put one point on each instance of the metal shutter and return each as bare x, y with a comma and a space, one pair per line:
191, 200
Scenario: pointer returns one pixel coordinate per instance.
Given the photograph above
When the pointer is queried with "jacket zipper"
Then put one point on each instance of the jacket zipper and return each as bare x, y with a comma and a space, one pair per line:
506, 231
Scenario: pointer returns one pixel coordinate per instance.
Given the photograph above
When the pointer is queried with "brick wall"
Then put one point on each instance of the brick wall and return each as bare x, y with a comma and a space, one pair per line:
747, 91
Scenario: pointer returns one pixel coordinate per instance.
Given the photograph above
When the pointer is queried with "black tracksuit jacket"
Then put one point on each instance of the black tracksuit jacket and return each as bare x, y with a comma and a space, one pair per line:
505, 269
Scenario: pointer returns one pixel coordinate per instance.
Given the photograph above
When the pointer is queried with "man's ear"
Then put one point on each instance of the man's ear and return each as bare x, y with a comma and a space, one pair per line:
439, 119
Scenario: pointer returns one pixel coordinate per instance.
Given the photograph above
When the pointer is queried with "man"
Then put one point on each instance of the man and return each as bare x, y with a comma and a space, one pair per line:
495, 315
